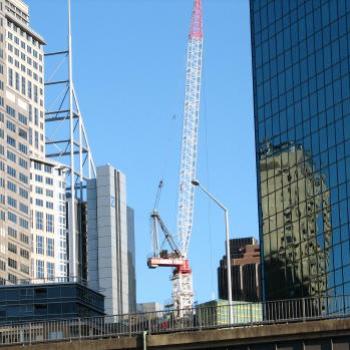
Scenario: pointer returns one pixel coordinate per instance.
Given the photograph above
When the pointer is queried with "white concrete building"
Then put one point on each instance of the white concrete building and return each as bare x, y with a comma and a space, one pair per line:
49, 233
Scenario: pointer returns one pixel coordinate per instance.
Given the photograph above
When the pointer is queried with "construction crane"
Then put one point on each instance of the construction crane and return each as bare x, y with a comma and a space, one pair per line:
177, 256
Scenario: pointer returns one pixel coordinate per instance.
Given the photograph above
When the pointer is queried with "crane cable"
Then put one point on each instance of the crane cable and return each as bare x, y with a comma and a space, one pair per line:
161, 181
165, 163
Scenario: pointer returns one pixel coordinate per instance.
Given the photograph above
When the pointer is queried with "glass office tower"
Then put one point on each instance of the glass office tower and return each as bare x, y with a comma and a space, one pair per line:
300, 52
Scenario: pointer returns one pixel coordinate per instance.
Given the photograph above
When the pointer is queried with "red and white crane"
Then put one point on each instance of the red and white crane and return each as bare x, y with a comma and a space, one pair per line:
177, 257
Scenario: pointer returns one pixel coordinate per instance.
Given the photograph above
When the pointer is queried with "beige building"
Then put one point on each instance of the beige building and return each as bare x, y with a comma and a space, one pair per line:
296, 222
21, 134
32, 190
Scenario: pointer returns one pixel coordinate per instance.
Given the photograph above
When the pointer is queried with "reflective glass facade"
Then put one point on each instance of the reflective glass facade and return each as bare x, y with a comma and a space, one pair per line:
20, 303
301, 77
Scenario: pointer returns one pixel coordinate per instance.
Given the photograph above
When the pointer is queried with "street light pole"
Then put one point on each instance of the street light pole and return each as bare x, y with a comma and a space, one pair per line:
228, 250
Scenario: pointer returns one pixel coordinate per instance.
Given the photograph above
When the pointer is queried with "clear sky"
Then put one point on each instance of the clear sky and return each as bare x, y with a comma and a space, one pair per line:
129, 70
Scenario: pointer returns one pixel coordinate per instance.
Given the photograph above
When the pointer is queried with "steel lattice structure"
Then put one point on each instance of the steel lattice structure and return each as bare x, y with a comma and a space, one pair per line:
190, 129
66, 139
178, 258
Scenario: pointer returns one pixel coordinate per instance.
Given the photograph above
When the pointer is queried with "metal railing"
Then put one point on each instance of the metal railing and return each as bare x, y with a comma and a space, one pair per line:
201, 317
36, 281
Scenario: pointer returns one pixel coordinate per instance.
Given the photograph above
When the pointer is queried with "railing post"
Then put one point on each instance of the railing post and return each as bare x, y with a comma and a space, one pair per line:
149, 321
199, 317
303, 305
30, 333
251, 313
79, 325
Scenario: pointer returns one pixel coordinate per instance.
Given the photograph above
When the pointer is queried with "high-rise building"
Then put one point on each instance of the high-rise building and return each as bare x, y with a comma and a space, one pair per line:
245, 270
21, 135
77, 243
301, 80
49, 256
131, 259
108, 242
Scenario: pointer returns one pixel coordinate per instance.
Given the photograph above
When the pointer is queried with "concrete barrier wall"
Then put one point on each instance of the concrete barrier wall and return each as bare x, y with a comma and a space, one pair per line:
312, 335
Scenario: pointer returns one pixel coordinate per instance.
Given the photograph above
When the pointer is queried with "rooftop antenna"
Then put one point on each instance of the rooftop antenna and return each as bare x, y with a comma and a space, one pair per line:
66, 137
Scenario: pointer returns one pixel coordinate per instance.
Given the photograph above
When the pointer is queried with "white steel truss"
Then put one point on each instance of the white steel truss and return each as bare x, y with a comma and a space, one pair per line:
66, 137
182, 287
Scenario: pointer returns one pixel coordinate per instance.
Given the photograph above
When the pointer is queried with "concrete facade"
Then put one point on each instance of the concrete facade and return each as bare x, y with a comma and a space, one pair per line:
22, 135
313, 335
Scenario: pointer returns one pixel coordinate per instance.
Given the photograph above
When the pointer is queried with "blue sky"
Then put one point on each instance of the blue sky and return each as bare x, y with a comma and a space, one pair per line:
129, 70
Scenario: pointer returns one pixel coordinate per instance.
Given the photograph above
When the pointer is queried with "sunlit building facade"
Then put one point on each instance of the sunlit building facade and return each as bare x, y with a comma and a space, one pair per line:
21, 135
49, 258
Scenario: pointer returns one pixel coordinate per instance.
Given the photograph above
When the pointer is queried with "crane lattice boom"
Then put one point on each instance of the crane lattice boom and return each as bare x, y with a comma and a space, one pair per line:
190, 129
182, 281
182, 276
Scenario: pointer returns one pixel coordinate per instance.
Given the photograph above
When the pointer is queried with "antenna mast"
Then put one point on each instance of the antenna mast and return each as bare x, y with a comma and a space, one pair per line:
67, 141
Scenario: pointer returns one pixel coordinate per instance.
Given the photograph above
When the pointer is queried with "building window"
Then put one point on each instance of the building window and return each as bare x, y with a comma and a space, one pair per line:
38, 178
49, 223
10, 111
50, 247
39, 202
11, 171
23, 223
10, 77
24, 238
12, 263
37, 165
40, 245
23, 178
23, 193
17, 81
12, 217
11, 141
23, 208
24, 254
11, 156
22, 118
22, 148
23, 163
12, 248
39, 219
29, 89
11, 202
12, 278
50, 270
12, 232
11, 186
39, 269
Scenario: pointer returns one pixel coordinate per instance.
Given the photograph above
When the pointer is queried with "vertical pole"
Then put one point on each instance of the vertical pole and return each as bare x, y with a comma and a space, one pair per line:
80, 154
228, 262
89, 165
72, 228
